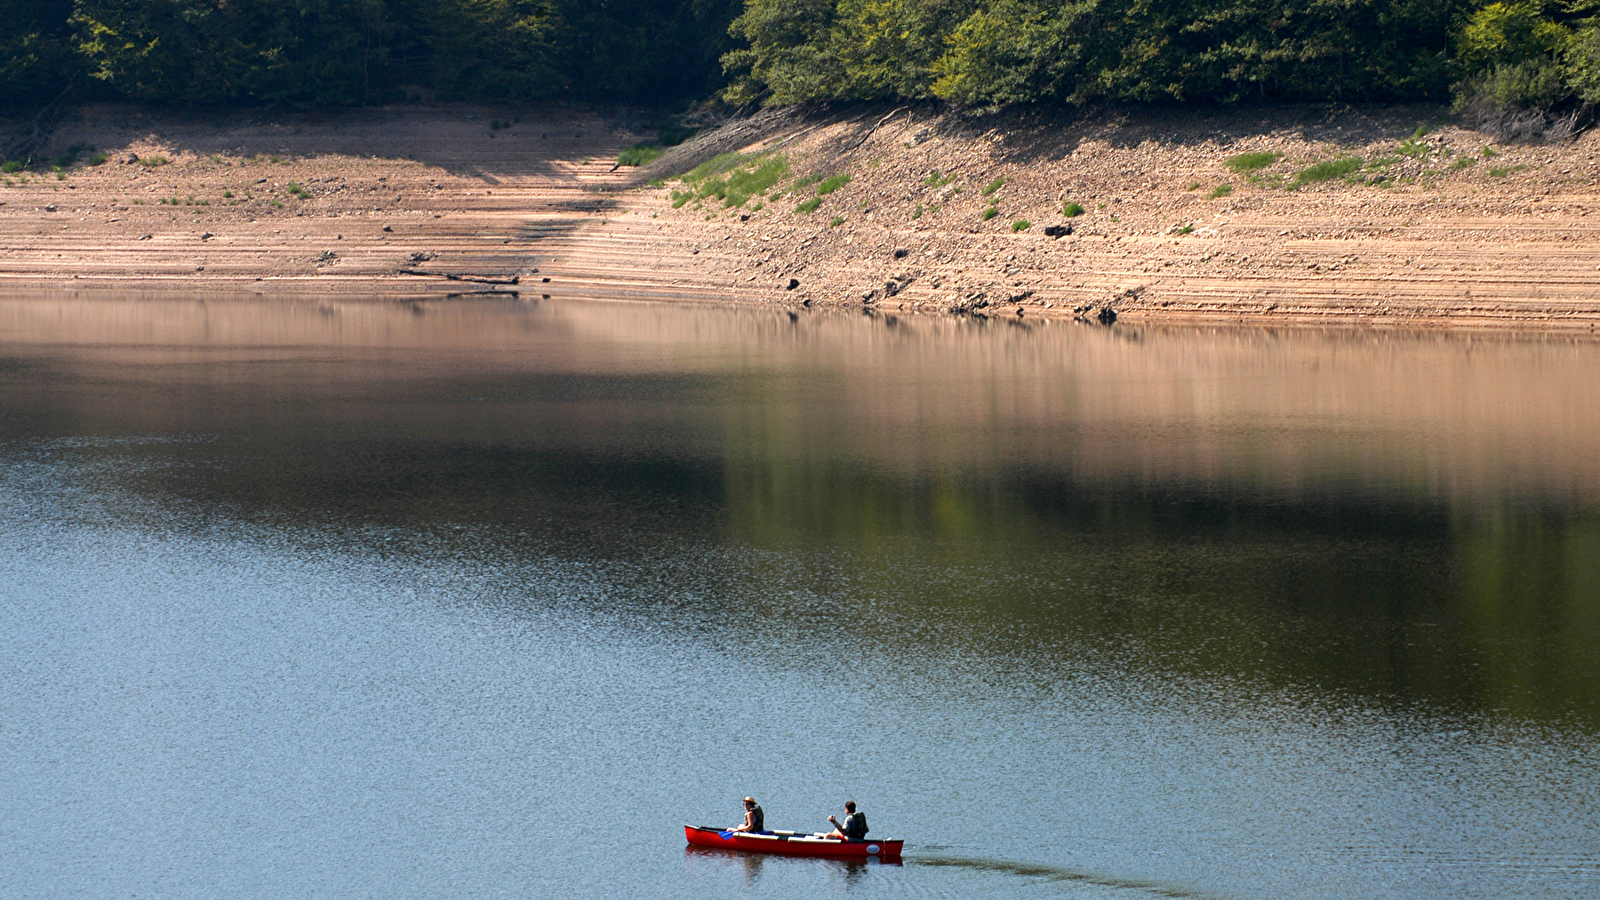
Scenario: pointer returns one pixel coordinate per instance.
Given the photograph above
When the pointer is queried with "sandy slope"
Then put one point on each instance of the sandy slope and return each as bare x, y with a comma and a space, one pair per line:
396, 199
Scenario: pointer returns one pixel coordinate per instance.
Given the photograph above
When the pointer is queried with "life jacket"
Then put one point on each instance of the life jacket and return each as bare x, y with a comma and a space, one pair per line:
758, 821
856, 826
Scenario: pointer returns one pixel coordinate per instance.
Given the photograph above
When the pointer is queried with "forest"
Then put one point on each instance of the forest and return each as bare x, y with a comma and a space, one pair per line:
1492, 58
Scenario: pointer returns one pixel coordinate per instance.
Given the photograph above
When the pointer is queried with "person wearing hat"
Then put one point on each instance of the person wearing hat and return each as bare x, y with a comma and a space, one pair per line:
754, 818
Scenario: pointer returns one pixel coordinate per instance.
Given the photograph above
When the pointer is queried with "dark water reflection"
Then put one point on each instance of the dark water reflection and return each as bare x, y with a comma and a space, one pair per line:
317, 598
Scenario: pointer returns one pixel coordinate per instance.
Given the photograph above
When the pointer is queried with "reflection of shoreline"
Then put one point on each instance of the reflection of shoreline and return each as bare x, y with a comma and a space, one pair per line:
1044, 873
1464, 419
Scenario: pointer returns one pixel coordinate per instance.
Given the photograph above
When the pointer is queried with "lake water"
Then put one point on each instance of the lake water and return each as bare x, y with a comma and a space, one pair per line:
489, 598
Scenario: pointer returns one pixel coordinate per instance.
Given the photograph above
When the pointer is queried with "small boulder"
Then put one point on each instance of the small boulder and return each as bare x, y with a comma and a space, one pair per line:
793, 283
1058, 231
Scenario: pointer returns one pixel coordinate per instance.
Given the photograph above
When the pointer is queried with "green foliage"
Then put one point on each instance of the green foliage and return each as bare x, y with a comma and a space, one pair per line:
1508, 33
341, 52
1016, 51
806, 206
1187, 228
1020, 225
989, 53
734, 178
639, 154
1220, 191
936, 180
836, 221
1245, 163
37, 51
1072, 210
152, 162
829, 185
1327, 170
994, 185
1531, 84
990, 213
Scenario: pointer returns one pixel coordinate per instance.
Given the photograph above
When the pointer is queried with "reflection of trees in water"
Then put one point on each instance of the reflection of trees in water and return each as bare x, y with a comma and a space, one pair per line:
1474, 610
1331, 511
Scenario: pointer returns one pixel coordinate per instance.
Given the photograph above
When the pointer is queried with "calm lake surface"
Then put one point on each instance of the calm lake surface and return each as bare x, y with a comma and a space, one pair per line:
488, 599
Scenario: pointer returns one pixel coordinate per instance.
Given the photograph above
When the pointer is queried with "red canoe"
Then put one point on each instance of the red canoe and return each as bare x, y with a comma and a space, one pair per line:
792, 843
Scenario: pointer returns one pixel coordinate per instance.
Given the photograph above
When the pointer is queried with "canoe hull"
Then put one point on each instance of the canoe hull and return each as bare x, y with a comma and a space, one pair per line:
792, 843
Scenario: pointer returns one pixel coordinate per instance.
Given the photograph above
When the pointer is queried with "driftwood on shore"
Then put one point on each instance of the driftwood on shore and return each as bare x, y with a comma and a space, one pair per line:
475, 279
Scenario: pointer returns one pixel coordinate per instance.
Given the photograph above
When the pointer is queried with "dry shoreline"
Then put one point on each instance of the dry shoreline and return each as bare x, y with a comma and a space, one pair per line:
438, 200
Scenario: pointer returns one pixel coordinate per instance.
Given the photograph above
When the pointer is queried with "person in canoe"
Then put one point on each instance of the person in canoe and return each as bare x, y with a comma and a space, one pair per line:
754, 818
854, 826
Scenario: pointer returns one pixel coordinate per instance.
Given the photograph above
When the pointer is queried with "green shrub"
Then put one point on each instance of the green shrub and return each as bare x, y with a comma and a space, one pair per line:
990, 213
1192, 186
1251, 162
1072, 210
829, 185
1531, 84
639, 154
1186, 229
836, 221
936, 180
917, 213
1020, 225
994, 185
1220, 191
99, 159
151, 162
733, 178
12, 166
806, 206
1327, 170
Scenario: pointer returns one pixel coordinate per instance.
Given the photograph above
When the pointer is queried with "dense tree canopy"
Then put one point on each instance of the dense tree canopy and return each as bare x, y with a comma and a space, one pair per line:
995, 52
982, 53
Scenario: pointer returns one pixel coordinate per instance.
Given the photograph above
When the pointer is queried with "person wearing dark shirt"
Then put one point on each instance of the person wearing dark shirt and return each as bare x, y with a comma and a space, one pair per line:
754, 818
854, 826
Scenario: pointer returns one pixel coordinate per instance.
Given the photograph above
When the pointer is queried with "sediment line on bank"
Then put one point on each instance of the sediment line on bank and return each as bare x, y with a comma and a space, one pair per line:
941, 214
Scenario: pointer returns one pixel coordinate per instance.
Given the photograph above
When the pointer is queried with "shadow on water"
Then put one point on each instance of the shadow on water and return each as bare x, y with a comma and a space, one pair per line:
1060, 874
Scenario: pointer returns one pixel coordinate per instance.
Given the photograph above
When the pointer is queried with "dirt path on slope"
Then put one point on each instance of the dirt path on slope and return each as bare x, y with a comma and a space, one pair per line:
1428, 228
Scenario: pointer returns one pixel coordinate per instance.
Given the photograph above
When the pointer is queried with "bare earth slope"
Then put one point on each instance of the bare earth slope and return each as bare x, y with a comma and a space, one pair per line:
1429, 229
